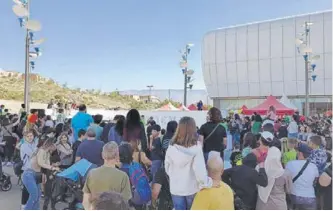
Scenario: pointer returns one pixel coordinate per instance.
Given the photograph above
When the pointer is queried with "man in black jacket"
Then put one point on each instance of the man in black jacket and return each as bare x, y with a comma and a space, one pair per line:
244, 180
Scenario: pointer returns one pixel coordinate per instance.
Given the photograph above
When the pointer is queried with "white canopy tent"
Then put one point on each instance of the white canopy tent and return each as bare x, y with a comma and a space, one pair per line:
286, 102
168, 107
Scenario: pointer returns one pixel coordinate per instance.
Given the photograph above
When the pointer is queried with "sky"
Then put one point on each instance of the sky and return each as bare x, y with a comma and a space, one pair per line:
129, 44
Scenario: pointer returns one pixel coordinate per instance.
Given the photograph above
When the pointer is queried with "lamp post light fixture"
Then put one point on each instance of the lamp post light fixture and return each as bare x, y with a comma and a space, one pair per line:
22, 10
302, 45
150, 88
186, 72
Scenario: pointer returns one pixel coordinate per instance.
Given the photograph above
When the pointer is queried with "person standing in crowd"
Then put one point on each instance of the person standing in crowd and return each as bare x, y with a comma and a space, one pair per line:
244, 180
28, 147
288, 152
139, 156
256, 127
250, 143
236, 156
271, 115
90, 149
107, 177
273, 196
270, 128
302, 134
134, 130
185, 165
161, 191
309, 131
200, 105
96, 126
283, 130
213, 133
32, 176
302, 191
107, 128
170, 131
64, 150
156, 154
76, 144
81, 120
61, 117
318, 155
221, 198
246, 128
116, 131
33, 117
109, 201
265, 142
236, 128
49, 122
140, 187
9, 137
293, 128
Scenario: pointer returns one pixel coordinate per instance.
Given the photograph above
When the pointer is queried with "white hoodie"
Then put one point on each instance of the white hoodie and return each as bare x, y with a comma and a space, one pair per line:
186, 169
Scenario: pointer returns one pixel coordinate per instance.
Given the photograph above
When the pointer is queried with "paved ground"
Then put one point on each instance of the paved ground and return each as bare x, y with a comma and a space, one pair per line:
11, 200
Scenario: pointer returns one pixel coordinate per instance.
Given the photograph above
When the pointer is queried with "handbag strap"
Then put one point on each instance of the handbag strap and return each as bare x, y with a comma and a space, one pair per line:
301, 171
211, 133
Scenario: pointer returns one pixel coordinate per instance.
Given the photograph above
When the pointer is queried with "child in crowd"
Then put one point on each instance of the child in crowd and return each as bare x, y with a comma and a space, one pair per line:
82, 135
288, 150
156, 149
302, 134
236, 156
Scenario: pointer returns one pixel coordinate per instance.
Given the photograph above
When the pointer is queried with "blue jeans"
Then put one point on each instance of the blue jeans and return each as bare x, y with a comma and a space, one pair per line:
292, 135
155, 166
182, 202
29, 181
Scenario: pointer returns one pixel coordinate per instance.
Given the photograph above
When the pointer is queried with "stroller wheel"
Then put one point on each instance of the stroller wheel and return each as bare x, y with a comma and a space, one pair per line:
6, 186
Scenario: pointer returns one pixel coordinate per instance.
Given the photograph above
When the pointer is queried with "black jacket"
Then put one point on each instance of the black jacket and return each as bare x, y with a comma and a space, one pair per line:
244, 180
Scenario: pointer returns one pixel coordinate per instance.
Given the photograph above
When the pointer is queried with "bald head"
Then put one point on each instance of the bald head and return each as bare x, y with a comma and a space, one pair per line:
215, 167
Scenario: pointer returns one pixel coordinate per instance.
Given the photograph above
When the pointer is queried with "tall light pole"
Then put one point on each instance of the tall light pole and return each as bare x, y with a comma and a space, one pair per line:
186, 72
27, 65
149, 87
309, 62
22, 10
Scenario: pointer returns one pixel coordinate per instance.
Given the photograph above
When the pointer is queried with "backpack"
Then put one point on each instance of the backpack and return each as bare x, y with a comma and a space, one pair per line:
140, 183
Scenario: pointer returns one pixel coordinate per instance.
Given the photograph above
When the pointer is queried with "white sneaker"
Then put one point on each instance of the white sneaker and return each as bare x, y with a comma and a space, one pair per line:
22, 207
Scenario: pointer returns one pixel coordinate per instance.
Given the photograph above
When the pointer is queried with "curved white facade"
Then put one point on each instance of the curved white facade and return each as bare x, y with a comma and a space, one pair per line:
260, 59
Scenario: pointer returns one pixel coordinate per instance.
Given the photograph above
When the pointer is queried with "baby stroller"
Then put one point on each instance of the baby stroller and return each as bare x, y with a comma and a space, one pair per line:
68, 184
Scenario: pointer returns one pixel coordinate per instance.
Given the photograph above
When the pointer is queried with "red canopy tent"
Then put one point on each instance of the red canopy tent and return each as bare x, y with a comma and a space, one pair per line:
264, 106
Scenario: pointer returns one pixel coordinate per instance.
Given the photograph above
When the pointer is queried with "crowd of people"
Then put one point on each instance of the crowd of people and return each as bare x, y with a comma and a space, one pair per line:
273, 162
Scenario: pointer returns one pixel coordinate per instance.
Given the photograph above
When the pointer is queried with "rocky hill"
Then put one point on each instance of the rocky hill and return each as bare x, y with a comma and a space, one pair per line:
44, 89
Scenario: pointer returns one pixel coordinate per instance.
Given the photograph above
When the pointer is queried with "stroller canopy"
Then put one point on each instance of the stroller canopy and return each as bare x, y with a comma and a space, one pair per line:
77, 170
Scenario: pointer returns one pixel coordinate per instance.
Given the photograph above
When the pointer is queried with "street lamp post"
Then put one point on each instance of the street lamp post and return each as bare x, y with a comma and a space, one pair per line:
22, 10
27, 65
149, 87
186, 72
309, 62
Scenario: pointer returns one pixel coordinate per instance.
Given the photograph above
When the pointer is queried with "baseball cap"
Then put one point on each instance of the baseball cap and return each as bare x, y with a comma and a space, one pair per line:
267, 135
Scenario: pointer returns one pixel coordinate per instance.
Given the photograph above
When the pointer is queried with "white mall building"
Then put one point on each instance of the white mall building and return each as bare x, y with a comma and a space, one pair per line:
244, 64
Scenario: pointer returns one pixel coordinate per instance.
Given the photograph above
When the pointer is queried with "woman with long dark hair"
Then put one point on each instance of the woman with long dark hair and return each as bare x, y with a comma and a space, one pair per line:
134, 130
170, 131
213, 133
